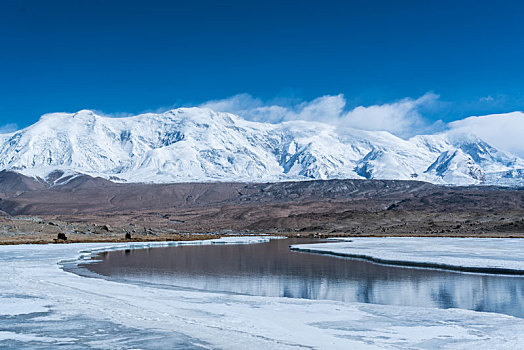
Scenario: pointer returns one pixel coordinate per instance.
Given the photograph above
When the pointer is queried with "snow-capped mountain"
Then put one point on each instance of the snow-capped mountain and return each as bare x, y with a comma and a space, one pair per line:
198, 144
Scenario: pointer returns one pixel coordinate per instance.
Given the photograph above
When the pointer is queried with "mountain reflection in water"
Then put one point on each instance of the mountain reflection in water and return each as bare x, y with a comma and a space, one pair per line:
271, 269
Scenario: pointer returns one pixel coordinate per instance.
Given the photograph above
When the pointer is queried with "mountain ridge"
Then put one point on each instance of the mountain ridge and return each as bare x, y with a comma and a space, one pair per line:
200, 145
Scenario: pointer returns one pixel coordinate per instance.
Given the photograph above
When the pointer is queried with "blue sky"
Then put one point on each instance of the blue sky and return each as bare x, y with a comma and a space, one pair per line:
135, 56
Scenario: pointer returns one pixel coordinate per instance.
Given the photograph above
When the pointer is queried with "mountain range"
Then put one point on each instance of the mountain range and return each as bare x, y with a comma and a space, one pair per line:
201, 145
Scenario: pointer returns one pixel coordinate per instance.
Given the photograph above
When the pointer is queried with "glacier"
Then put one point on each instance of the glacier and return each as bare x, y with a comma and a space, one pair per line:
201, 145
44, 306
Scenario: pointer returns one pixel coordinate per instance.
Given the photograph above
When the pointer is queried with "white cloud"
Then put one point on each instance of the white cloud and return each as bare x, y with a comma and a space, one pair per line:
8, 128
324, 109
327, 109
503, 131
235, 104
487, 99
401, 118
111, 115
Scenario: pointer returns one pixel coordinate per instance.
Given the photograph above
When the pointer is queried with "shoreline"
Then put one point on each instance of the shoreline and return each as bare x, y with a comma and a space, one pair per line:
79, 238
44, 239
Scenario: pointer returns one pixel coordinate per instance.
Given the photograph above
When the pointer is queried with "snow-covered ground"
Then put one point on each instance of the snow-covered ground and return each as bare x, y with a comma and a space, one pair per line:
43, 306
473, 254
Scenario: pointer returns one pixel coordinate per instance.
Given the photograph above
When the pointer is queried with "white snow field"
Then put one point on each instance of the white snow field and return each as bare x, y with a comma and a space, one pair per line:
43, 306
503, 255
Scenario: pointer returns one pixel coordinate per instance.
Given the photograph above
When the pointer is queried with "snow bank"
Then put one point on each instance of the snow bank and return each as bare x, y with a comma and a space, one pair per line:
491, 255
48, 307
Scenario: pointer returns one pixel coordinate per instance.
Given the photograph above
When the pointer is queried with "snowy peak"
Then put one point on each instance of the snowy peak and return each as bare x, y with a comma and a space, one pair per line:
198, 144
453, 163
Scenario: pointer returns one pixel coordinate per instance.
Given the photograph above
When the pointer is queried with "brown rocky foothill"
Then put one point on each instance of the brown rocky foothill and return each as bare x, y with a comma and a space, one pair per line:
92, 209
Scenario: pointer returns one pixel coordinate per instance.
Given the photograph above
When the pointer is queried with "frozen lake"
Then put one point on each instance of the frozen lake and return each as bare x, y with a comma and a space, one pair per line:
45, 306
271, 269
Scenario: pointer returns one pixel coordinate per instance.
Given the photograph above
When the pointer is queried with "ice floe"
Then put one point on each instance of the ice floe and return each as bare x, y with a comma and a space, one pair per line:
494, 255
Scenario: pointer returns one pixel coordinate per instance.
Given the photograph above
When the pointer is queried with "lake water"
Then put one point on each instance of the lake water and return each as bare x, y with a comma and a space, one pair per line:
271, 269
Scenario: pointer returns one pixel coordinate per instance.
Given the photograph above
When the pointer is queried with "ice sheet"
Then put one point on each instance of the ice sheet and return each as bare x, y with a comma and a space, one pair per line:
48, 307
474, 254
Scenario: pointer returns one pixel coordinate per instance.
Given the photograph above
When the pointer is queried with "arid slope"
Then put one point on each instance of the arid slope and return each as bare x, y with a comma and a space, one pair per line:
94, 206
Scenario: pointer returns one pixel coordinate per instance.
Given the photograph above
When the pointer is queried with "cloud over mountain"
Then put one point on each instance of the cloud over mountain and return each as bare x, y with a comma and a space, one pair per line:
504, 131
402, 118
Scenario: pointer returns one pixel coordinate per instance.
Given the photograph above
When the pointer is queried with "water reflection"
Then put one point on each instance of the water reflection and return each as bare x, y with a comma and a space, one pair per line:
271, 269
